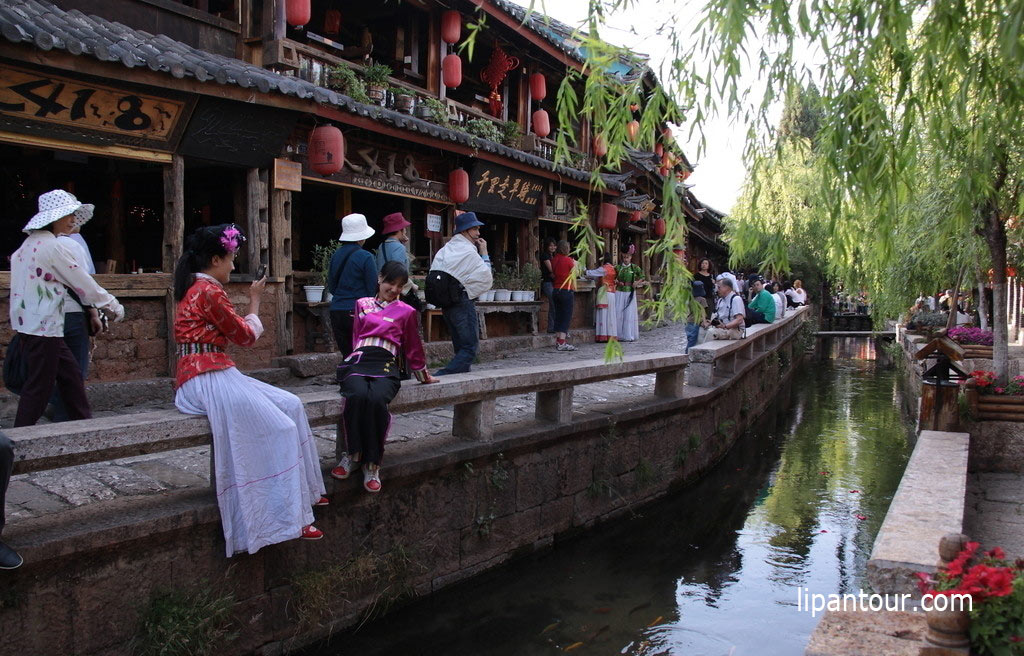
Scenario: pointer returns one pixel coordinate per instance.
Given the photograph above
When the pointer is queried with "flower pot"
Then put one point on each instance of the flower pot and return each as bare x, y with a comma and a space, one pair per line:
530, 296
376, 94
517, 296
487, 296
947, 628
404, 103
314, 293
423, 112
502, 295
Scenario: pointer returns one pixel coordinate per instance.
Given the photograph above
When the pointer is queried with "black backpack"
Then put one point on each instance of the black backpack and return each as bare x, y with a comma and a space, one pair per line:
443, 289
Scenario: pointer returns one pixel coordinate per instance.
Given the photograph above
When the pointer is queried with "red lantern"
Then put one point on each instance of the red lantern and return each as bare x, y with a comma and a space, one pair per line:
297, 12
659, 227
633, 129
635, 216
538, 86
607, 219
667, 133
326, 150
663, 171
541, 123
451, 71
458, 186
451, 26
600, 146
659, 150
332, 21
633, 107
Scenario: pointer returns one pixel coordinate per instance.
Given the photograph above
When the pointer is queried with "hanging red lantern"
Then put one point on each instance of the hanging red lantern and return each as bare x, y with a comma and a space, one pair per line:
659, 227
332, 21
458, 186
608, 216
600, 146
326, 150
538, 86
633, 129
541, 123
635, 216
451, 71
297, 12
633, 107
659, 150
666, 132
451, 26
663, 171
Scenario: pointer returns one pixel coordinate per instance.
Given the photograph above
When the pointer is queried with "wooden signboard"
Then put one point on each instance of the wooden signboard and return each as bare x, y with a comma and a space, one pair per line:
245, 134
31, 96
287, 175
387, 170
498, 190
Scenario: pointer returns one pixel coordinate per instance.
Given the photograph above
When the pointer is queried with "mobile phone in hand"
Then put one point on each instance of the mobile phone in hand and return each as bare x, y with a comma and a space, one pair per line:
261, 272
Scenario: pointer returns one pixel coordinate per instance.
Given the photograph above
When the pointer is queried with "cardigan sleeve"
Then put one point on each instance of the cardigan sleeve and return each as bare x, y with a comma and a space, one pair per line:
217, 309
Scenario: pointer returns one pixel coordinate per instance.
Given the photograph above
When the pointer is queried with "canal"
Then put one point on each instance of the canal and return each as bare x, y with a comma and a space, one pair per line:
714, 569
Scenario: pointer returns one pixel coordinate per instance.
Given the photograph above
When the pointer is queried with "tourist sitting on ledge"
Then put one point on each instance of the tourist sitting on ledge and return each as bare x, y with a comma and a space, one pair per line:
266, 467
762, 305
728, 321
9, 558
382, 328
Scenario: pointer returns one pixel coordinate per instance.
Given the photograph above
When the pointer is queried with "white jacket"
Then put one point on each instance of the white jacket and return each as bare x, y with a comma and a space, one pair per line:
461, 259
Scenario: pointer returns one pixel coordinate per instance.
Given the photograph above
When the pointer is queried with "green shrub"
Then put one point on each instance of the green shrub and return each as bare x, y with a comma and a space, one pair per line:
176, 623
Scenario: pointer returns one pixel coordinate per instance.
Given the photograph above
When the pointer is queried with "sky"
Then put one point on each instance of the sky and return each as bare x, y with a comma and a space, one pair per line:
719, 174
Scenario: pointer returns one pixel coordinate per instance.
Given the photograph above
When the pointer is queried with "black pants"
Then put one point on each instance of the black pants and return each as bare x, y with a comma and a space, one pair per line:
367, 390
6, 465
50, 362
755, 317
76, 336
341, 325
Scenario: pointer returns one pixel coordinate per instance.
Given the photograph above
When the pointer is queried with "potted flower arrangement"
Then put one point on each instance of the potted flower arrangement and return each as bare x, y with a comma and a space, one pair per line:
433, 110
343, 79
376, 76
322, 255
403, 99
995, 587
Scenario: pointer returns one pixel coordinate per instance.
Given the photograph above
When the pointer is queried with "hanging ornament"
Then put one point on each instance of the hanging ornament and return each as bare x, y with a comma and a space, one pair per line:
659, 227
635, 216
663, 171
541, 123
451, 26
326, 150
659, 150
458, 186
451, 71
633, 107
297, 12
538, 86
494, 74
608, 217
332, 22
633, 129
600, 146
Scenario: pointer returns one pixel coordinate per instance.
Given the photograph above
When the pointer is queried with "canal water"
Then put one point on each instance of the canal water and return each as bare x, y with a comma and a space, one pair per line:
713, 570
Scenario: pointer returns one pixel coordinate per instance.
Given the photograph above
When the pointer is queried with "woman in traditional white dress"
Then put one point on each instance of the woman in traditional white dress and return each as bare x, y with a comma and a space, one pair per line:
266, 466
606, 318
628, 279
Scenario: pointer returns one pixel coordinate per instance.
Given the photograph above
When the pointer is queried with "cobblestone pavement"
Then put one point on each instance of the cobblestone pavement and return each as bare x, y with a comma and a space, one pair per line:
40, 493
994, 513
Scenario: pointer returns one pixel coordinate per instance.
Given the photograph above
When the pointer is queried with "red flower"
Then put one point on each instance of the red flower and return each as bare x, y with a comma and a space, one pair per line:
996, 553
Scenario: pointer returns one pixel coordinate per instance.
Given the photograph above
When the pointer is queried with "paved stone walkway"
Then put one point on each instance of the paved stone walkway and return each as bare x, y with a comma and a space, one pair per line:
40, 493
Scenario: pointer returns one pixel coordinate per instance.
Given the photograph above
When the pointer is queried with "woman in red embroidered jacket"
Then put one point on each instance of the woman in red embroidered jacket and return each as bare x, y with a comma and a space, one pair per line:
381, 327
266, 467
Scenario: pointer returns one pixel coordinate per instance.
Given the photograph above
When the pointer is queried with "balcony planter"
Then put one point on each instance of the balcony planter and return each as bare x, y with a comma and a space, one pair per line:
404, 102
423, 112
377, 94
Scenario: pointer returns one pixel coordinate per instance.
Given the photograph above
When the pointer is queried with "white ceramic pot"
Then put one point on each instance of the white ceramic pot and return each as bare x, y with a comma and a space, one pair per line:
529, 296
314, 293
502, 295
487, 296
517, 297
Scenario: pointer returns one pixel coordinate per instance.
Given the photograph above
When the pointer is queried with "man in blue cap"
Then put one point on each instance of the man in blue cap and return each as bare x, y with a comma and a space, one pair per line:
467, 266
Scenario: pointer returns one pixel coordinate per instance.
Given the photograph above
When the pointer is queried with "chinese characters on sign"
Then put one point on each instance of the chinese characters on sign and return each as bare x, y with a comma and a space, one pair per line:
497, 190
34, 96
371, 167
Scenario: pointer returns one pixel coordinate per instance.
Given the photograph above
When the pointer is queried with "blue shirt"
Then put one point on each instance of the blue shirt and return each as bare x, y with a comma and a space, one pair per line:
392, 250
358, 280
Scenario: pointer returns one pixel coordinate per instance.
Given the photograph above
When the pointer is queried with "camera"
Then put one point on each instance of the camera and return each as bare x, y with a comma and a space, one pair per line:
716, 321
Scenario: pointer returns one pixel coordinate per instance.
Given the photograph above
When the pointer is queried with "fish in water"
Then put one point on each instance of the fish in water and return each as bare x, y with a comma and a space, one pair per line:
575, 645
603, 610
656, 620
551, 627
640, 607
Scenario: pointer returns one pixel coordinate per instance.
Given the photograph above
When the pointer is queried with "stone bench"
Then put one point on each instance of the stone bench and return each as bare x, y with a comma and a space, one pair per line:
51, 446
719, 357
928, 504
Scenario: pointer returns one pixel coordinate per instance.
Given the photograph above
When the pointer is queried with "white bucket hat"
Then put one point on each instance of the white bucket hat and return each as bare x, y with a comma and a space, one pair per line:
57, 204
354, 228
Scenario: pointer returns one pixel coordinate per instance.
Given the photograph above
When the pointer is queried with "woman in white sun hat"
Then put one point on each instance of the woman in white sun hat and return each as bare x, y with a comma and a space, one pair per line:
42, 272
351, 276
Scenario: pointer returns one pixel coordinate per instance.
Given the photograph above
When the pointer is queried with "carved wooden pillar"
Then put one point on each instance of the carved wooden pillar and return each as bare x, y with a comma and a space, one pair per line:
174, 212
256, 211
281, 267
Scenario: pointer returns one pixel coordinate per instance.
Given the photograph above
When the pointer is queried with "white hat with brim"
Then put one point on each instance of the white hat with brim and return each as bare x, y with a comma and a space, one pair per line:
354, 228
55, 205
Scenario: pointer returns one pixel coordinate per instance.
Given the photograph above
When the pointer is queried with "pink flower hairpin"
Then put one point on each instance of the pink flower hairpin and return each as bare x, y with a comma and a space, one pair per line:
231, 238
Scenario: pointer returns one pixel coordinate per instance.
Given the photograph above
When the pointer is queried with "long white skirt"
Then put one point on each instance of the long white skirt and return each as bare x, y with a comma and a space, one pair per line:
607, 320
629, 321
267, 468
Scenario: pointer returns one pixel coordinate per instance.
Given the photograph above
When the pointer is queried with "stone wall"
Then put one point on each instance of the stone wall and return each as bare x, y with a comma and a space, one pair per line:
451, 509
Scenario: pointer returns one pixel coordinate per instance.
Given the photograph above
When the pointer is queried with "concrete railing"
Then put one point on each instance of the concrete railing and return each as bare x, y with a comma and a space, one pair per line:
721, 357
473, 395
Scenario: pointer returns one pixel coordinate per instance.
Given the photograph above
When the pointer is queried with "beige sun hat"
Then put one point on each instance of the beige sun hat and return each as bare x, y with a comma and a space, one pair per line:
354, 228
57, 204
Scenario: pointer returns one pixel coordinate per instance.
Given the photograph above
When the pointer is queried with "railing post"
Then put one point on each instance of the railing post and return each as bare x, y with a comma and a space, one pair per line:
555, 405
474, 420
669, 384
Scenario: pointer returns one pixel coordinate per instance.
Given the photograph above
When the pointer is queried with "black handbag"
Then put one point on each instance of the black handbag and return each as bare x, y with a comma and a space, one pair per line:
15, 366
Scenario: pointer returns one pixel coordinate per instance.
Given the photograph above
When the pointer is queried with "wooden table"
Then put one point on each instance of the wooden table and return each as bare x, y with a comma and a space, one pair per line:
482, 310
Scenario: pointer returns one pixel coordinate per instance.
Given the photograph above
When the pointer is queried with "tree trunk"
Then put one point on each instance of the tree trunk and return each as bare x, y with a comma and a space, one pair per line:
995, 237
982, 304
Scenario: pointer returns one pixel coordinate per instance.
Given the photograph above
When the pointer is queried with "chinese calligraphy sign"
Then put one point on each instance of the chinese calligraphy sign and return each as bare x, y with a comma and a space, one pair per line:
368, 166
499, 190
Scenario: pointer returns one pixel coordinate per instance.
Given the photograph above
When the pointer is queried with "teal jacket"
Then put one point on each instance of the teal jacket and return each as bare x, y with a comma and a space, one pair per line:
765, 304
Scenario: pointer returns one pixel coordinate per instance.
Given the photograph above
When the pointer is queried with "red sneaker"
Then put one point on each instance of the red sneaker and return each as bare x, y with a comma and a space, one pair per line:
371, 480
345, 468
324, 501
311, 533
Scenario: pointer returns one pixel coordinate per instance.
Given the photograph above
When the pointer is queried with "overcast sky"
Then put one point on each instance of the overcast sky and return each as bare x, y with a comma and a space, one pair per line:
720, 172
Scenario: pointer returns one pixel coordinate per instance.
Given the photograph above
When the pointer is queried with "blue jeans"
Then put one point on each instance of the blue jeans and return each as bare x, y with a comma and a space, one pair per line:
562, 299
546, 290
692, 334
76, 336
462, 326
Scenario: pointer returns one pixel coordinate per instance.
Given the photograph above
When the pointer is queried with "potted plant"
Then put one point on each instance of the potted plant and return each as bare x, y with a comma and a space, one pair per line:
404, 99
511, 134
376, 76
483, 128
501, 291
343, 79
433, 110
531, 279
322, 255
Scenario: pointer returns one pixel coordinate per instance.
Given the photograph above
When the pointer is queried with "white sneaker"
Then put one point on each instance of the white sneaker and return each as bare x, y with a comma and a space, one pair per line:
565, 347
345, 468
371, 479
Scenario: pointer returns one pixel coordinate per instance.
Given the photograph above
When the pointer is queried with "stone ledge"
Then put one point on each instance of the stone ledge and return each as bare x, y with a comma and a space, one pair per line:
867, 633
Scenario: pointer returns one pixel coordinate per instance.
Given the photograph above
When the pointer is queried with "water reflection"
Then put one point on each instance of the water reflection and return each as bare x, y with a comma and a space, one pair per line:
716, 569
